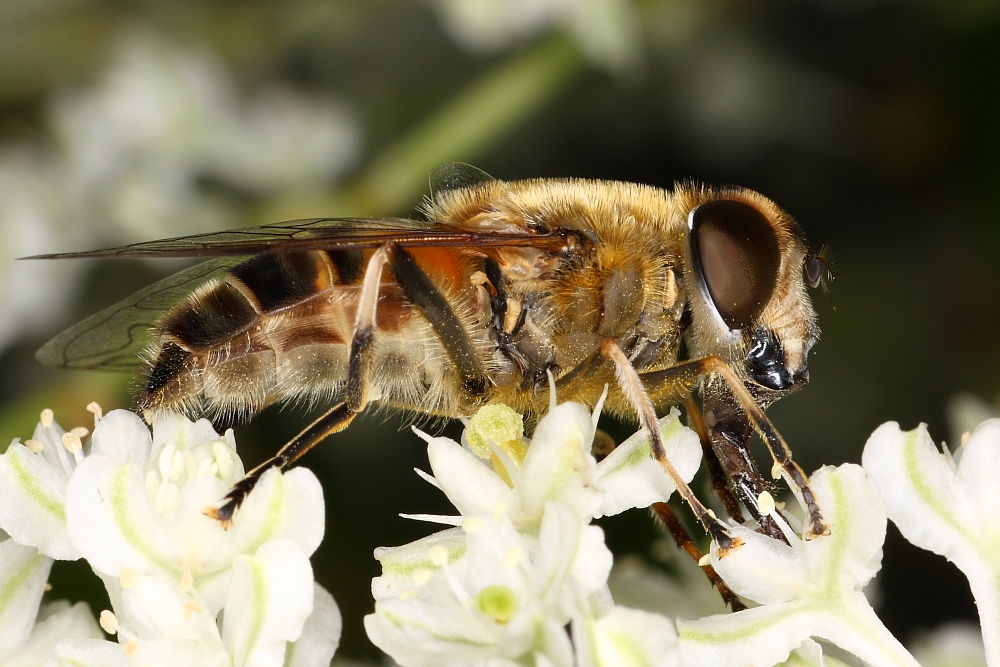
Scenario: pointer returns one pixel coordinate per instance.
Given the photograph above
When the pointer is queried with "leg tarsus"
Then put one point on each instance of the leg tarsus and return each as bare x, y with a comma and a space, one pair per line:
683, 539
334, 420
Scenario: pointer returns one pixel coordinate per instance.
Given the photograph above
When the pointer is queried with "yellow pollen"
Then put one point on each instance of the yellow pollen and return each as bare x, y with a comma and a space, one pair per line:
438, 555
765, 502
186, 582
34, 446
421, 576
191, 607
513, 557
127, 577
72, 442
109, 622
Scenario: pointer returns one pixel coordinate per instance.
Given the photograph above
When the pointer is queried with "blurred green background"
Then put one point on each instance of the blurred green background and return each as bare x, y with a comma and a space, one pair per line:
875, 123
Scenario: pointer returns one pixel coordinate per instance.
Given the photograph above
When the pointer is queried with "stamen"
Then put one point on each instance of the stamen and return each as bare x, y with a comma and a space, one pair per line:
130, 647
705, 560
80, 432
765, 503
191, 607
224, 458
165, 459
472, 524
513, 557
438, 555
776, 471
127, 577
47, 418
186, 582
152, 482
34, 446
109, 622
94, 408
421, 576
72, 442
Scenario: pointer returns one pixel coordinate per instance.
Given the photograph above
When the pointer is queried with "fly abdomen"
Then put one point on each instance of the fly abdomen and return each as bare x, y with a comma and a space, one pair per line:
239, 344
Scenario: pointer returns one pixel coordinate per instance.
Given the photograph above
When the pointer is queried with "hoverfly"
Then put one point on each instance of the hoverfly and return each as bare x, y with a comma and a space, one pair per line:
503, 286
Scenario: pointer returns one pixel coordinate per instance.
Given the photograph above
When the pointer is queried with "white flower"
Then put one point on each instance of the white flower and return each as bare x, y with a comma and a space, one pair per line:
33, 477
490, 594
608, 31
27, 634
274, 616
626, 638
948, 505
136, 505
502, 588
951, 645
812, 588
164, 116
558, 466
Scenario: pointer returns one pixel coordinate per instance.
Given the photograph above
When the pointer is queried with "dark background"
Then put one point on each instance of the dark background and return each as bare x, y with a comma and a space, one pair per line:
876, 124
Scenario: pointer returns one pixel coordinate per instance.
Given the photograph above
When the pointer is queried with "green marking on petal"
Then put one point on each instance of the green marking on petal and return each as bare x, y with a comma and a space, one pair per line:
119, 502
259, 582
14, 583
628, 651
389, 567
708, 636
642, 453
272, 515
911, 464
35, 492
399, 622
497, 602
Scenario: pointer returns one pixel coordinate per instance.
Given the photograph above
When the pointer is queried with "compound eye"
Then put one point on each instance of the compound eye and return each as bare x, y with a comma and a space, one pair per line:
736, 256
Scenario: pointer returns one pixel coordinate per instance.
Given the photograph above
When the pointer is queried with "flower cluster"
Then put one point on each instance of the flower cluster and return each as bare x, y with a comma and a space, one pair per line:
129, 157
522, 560
607, 31
183, 589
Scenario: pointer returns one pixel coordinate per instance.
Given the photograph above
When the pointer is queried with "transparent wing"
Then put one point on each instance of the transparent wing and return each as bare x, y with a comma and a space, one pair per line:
310, 234
113, 339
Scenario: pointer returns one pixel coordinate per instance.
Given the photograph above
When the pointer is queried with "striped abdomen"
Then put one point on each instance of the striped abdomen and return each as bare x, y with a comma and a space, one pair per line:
279, 327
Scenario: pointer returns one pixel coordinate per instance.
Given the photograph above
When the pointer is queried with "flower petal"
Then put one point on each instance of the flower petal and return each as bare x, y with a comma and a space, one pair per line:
921, 492
626, 638
270, 598
760, 636
111, 518
62, 622
320, 635
933, 506
122, 437
470, 485
33, 510
631, 477
23, 573
285, 506
400, 563
559, 465
89, 653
